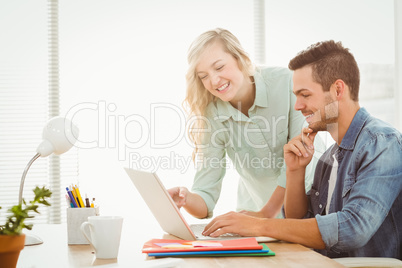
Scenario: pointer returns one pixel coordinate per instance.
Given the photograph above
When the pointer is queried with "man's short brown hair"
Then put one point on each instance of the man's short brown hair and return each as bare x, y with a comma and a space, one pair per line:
330, 61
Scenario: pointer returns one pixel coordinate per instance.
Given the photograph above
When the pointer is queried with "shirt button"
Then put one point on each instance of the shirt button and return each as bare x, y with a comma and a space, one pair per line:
320, 206
317, 193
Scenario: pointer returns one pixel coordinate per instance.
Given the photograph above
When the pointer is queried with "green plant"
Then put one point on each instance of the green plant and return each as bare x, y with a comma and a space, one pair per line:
15, 223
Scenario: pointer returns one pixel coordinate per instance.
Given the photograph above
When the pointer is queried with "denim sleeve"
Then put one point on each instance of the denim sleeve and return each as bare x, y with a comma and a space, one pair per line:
372, 185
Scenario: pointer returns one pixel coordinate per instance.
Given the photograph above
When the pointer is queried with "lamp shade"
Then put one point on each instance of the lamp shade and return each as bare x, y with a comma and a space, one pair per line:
59, 135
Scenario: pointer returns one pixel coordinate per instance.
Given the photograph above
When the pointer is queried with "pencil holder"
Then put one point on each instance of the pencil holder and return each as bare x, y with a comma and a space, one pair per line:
75, 217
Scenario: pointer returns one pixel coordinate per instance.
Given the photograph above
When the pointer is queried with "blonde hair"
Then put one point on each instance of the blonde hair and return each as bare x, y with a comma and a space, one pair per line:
197, 96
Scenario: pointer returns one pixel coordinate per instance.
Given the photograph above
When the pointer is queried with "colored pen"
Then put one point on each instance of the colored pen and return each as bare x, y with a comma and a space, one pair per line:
75, 196
71, 197
87, 201
69, 201
77, 191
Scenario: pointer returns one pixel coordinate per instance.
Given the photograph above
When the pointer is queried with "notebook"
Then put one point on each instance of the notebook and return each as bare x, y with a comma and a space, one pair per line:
167, 213
225, 248
169, 245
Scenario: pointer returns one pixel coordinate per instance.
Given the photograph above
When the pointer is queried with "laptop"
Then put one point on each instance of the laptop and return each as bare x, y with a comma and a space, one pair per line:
167, 213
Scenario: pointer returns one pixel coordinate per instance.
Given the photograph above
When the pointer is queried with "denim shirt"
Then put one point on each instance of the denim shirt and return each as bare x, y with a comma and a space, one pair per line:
365, 213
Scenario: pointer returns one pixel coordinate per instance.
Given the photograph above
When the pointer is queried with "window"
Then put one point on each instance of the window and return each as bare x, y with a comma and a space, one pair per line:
26, 103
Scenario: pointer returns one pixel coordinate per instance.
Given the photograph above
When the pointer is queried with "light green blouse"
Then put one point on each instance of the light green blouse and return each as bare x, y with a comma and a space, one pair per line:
254, 144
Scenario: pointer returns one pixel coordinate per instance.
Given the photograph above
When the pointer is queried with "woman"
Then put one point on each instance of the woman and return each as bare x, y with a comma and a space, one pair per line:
244, 112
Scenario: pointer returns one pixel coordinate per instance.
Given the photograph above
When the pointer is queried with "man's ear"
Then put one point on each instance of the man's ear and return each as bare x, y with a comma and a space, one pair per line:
340, 88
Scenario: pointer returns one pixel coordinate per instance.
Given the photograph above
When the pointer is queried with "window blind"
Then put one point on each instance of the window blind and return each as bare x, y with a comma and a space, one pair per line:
29, 96
22, 112
259, 31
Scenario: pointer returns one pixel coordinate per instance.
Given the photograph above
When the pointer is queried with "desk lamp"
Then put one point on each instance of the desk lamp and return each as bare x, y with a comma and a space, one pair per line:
59, 135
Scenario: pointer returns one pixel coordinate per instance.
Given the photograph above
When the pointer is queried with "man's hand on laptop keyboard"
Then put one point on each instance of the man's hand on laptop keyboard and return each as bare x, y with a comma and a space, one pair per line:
234, 222
257, 214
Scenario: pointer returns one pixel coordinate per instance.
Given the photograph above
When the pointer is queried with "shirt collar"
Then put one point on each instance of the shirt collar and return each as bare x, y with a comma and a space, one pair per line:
261, 97
226, 110
349, 140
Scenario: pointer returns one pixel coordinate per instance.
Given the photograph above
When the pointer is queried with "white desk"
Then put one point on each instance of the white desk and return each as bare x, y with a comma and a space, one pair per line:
55, 252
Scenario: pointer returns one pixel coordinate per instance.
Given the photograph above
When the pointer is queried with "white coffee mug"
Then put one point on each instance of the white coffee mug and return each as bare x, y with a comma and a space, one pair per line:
105, 232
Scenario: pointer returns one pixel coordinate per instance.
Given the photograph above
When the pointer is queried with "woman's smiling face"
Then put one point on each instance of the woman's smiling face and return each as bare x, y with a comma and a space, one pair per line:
220, 73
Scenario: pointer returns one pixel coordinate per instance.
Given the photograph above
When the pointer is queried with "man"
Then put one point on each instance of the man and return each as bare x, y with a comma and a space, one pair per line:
355, 205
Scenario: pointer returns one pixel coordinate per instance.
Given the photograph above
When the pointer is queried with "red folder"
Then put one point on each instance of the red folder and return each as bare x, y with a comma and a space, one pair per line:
233, 244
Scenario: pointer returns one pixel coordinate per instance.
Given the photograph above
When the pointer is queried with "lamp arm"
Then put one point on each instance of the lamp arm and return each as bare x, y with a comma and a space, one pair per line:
24, 175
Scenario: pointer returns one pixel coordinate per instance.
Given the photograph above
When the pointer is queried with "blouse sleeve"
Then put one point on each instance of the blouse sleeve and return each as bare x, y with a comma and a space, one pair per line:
211, 165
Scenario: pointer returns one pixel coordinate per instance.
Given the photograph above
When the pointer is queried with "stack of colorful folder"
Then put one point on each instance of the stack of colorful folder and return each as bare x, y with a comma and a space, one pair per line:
222, 248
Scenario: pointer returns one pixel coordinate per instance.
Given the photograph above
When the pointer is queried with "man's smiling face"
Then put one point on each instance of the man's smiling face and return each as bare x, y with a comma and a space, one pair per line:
319, 107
